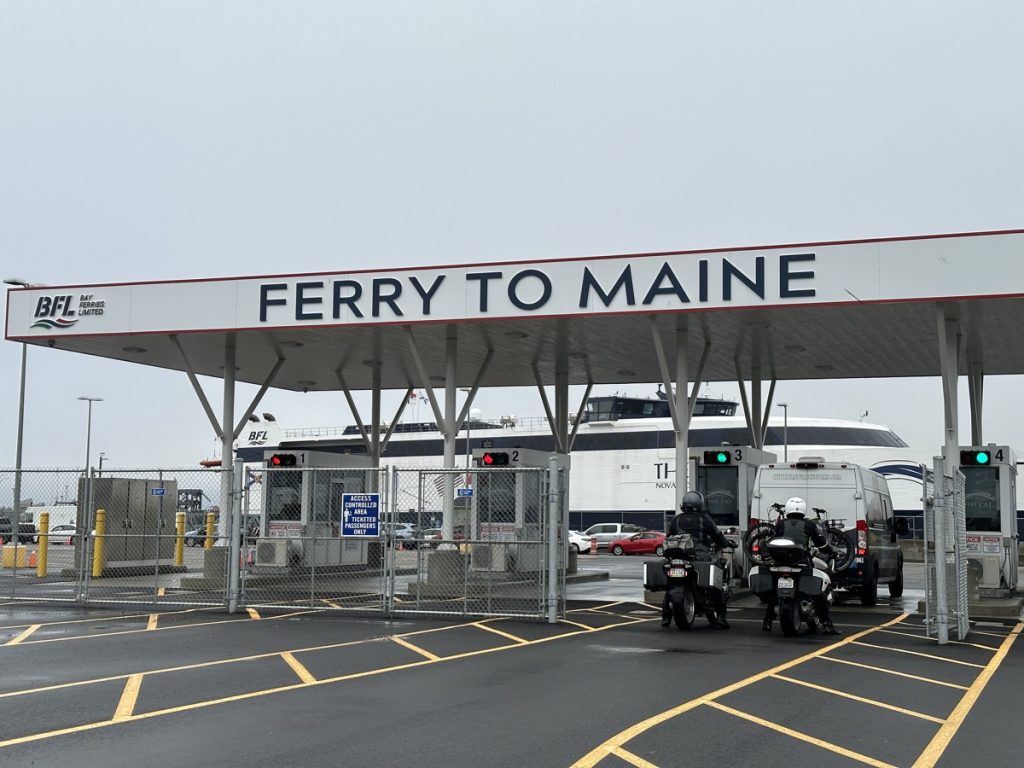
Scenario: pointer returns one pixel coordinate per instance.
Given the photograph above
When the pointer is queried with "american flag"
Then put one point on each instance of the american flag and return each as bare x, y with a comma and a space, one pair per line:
439, 482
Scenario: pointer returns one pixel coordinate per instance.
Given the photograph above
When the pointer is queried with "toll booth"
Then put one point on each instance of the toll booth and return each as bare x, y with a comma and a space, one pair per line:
301, 513
509, 507
990, 507
725, 475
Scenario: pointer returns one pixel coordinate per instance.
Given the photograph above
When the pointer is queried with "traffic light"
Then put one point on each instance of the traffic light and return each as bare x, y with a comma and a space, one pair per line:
717, 458
494, 460
975, 458
282, 460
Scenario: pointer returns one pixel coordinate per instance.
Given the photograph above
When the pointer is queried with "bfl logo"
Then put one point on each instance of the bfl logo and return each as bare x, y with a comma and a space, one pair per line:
62, 311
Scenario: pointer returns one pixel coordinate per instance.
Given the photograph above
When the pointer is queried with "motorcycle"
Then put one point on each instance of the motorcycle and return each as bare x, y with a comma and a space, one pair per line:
791, 576
688, 577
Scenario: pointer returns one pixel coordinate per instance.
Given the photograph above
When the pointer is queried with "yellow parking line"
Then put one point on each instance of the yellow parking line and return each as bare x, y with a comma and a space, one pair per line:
574, 623
499, 632
416, 648
253, 613
153, 619
990, 634
893, 672
861, 699
601, 751
632, 759
95, 618
330, 603
161, 591
17, 640
298, 668
126, 705
923, 655
941, 740
935, 640
285, 688
801, 736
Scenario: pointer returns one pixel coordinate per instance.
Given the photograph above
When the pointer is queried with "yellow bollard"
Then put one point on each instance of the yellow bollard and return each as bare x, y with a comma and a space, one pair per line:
208, 544
44, 541
97, 544
179, 539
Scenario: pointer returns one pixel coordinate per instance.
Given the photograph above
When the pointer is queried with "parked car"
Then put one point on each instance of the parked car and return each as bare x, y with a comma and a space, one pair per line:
430, 537
195, 537
26, 531
645, 543
63, 534
579, 542
402, 534
606, 533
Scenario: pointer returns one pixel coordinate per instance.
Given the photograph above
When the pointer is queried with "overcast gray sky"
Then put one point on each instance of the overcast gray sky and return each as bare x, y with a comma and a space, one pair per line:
147, 140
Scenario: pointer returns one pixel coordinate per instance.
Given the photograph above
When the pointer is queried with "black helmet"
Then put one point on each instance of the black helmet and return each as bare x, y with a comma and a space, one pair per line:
693, 501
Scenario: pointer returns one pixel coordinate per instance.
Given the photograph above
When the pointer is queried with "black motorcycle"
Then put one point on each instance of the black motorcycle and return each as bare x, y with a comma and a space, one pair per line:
689, 574
791, 578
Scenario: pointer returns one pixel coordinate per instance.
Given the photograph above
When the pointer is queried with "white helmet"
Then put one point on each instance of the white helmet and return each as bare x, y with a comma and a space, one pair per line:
796, 507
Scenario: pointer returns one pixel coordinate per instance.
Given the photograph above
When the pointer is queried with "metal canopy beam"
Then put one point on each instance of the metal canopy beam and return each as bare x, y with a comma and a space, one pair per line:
259, 396
198, 389
579, 415
343, 383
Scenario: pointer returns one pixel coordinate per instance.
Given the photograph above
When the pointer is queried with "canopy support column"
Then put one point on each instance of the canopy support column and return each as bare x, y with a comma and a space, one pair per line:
450, 431
227, 439
949, 362
682, 410
976, 385
562, 387
375, 425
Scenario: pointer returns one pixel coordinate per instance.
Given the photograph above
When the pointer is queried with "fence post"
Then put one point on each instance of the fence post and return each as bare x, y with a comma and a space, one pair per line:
97, 545
552, 597
44, 541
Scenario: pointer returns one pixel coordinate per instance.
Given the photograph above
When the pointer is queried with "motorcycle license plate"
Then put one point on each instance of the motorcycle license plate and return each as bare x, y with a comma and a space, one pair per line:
676, 573
785, 583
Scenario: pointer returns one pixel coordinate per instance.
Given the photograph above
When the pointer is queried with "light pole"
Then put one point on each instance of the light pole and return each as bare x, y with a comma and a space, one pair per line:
102, 456
88, 429
21, 423
785, 430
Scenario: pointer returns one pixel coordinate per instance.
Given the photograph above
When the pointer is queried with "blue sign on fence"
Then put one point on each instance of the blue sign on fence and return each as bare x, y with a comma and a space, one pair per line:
360, 514
465, 492
157, 491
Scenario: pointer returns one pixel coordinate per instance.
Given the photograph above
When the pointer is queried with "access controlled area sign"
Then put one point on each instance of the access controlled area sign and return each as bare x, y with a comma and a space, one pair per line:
360, 514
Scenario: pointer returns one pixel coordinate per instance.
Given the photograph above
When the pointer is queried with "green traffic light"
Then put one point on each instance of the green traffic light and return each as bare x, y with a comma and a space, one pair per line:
982, 457
721, 457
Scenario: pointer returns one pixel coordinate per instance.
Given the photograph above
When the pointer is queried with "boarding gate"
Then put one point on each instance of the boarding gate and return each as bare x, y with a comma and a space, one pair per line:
303, 541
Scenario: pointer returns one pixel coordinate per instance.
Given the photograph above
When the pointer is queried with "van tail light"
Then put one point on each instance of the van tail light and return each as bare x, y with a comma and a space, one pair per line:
862, 537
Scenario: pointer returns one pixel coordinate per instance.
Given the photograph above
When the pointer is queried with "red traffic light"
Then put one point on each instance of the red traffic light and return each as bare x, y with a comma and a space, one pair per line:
282, 460
494, 459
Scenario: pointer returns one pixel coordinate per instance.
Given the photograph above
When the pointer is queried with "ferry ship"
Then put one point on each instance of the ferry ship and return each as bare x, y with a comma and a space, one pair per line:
623, 457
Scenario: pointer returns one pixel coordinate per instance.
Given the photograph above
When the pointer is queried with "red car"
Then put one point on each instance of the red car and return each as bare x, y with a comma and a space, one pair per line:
643, 543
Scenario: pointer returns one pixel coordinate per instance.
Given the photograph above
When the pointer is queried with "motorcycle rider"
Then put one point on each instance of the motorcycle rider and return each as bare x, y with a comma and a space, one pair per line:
796, 527
692, 519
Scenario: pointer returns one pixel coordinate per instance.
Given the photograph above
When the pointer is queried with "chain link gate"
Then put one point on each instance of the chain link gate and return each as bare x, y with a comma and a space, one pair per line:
945, 542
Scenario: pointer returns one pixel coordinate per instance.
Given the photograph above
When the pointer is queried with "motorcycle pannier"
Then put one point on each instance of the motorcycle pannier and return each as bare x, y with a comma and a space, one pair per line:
654, 575
760, 583
709, 575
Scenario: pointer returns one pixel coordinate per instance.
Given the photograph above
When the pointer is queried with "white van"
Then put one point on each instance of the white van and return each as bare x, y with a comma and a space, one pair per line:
854, 499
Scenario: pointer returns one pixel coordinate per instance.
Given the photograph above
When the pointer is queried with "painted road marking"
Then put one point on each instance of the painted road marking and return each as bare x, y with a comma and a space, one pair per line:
941, 740
861, 699
296, 686
421, 651
17, 640
253, 613
499, 632
632, 759
935, 639
893, 672
161, 591
924, 655
601, 751
297, 667
575, 624
153, 619
800, 736
95, 618
129, 696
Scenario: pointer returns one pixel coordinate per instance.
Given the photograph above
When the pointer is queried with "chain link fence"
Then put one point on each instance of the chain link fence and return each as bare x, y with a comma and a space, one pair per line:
946, 598
485, 542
